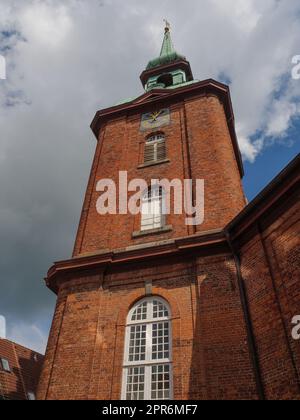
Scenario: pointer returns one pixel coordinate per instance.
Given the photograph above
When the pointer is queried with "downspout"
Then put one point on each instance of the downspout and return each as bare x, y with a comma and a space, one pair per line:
278, 302
249, 327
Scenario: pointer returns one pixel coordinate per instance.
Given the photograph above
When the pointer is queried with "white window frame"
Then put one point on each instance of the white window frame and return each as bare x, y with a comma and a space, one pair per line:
153, 220
148, 362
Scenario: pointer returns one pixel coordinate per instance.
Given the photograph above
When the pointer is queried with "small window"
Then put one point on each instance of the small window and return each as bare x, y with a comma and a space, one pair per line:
155, 149
153, 214
31, 396
5, 365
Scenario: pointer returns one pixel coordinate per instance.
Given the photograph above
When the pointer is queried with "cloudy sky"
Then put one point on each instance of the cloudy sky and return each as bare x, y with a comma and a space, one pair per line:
66, 59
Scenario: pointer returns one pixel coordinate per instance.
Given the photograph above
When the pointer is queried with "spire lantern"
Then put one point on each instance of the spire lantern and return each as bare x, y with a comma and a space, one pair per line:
169, 69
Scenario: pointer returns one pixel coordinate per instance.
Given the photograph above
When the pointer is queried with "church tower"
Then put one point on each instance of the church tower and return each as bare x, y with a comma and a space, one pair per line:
148, 306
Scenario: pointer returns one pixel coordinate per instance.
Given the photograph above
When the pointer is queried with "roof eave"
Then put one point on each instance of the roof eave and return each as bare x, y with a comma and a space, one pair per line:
64, 270
212, 241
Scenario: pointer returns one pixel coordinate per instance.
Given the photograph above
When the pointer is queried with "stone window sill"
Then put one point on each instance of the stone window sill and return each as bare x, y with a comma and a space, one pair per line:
154, 163
160, 231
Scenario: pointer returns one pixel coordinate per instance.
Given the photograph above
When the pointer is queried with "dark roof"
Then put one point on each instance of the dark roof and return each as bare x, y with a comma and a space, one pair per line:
25, 368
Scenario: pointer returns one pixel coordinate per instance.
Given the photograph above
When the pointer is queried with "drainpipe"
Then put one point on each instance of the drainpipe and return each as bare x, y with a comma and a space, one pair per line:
248, 321
278, 302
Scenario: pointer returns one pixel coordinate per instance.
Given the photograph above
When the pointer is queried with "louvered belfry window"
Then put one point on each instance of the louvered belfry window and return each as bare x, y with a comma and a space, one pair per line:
155, 148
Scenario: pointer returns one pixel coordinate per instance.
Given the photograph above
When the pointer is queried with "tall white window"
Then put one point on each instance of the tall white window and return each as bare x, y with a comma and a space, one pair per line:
147, 373
153, 214
155, 148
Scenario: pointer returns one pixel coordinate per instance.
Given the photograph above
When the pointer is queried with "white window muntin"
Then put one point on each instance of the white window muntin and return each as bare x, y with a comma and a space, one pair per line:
148, 360
145, 367
149, 314
146, 392
148, 323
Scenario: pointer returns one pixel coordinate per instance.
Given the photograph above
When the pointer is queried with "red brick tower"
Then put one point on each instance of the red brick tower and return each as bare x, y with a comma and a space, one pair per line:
196, 124
148, 307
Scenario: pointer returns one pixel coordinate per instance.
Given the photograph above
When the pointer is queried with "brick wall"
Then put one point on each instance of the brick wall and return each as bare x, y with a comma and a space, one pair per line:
271, 270
211, 356
199, 146
211, 360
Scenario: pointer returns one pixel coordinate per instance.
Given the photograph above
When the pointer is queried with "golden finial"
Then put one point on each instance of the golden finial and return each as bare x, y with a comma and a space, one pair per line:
168, 26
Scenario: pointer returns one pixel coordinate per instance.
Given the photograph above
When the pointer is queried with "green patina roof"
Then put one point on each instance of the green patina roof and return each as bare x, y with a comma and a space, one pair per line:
125, 101
167, 53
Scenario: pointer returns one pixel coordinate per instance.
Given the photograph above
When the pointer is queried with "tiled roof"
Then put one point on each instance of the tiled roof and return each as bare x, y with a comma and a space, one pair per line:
25, 367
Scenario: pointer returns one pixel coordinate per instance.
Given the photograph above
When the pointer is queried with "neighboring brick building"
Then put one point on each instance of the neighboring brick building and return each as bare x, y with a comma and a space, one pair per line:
151, 308
20, 370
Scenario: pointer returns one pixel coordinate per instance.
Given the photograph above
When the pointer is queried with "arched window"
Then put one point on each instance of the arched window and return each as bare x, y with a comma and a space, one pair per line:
153, 211
155, 149
148, 355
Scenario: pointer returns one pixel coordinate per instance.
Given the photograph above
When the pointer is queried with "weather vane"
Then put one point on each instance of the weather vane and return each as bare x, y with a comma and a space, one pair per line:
168, 26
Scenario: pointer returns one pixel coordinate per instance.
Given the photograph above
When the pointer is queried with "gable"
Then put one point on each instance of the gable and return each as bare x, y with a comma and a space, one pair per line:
154, 94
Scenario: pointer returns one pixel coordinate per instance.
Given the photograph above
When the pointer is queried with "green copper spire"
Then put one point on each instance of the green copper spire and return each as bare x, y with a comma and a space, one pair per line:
167, 46
167, 53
